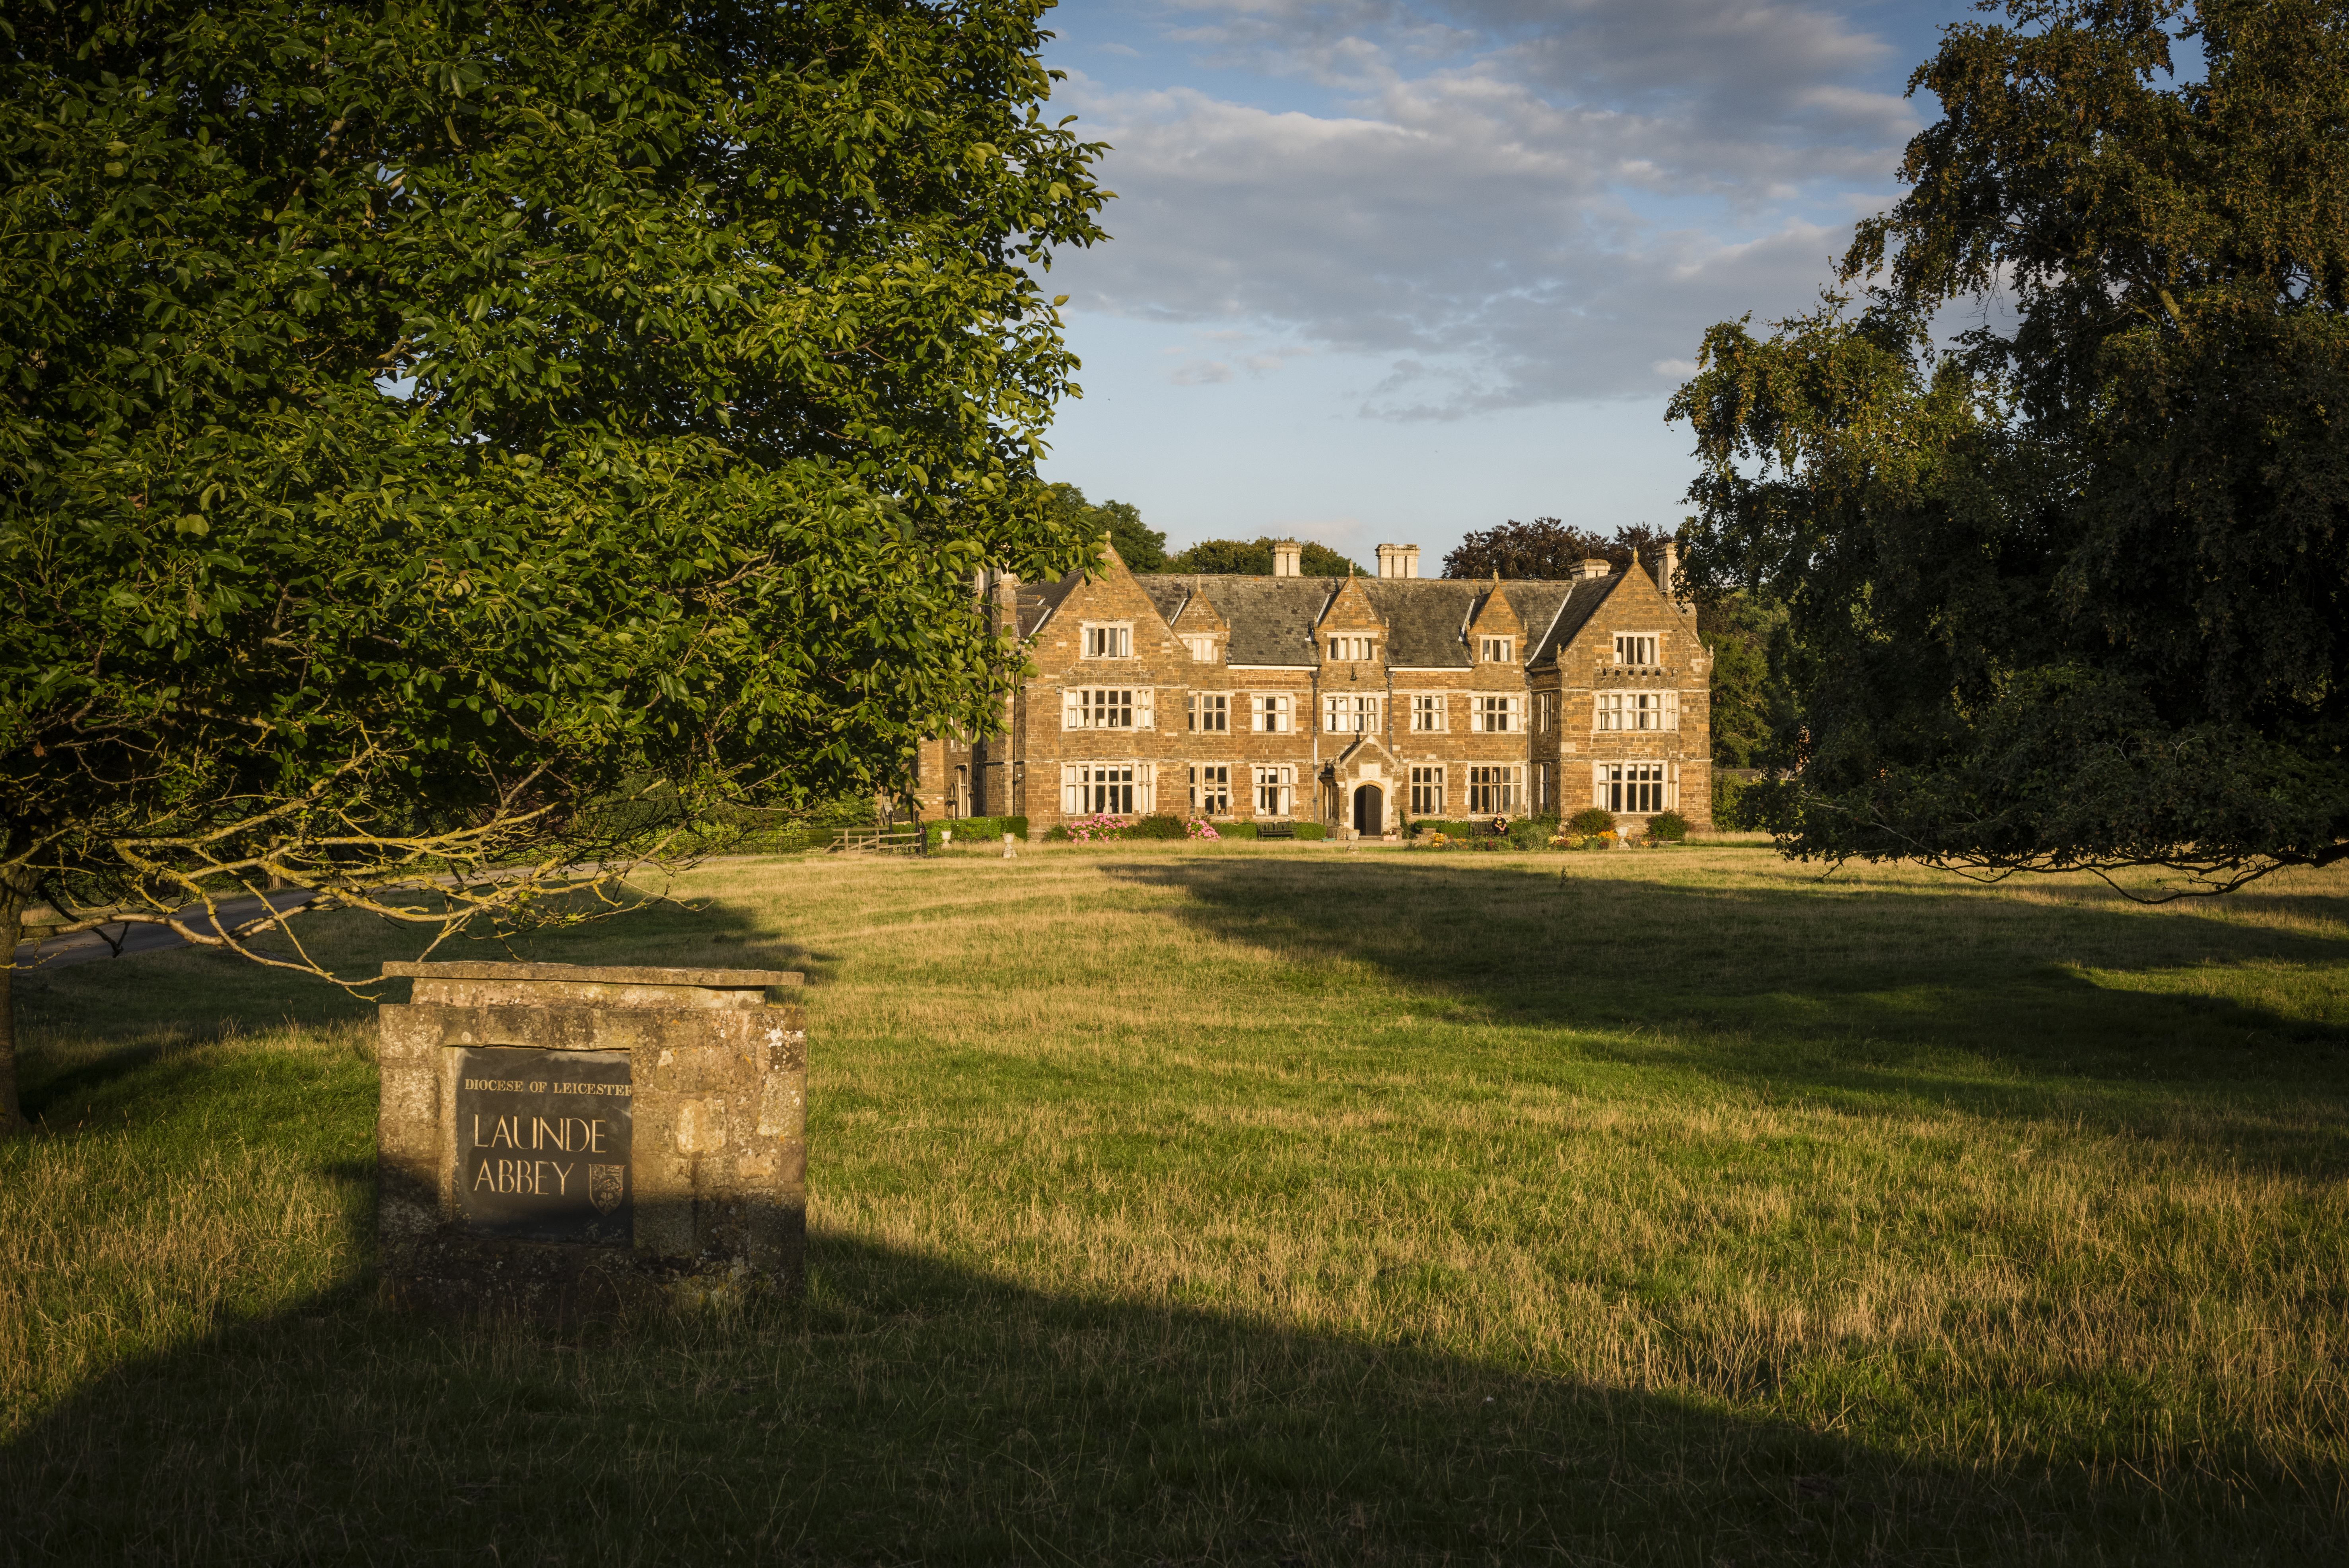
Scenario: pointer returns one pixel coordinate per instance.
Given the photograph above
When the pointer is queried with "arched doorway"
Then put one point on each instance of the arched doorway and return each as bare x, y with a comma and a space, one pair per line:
1370, 810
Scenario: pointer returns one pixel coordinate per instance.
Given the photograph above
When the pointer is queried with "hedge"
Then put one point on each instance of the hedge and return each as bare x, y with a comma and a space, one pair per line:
977, 829
1247, 830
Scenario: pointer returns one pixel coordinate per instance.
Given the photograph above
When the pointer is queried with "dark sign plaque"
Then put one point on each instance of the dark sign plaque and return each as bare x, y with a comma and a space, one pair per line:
543, 1145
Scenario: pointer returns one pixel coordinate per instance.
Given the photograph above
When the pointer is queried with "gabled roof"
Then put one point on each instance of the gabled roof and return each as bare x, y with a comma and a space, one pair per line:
1039, 600
1581, 602
1272, 620
1351, 606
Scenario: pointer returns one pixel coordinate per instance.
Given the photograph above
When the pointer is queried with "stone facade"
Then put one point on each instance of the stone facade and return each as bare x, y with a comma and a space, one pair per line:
1358, 703
553, 1140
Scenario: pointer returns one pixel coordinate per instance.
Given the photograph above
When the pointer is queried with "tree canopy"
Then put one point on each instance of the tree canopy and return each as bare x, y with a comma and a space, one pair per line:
1545, 547
439, 438
1253, 557
1142, 550
2071, 593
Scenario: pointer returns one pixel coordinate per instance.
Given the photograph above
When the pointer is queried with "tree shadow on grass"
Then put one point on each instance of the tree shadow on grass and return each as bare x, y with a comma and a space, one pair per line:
913, 1411
1858, 993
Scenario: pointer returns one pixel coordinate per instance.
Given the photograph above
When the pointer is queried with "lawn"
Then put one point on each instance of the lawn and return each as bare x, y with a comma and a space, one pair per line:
1244, 1204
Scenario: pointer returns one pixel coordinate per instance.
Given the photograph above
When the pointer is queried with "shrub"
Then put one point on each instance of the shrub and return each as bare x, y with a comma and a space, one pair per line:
1729, 802
1311, 830
1157, 827
1669, 825
1199, 828
976, 829
1527, 832
1238, 830
1591, 821
1056, 835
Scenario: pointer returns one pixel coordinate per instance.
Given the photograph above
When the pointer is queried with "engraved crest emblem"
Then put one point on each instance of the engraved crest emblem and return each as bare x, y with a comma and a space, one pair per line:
605, 1184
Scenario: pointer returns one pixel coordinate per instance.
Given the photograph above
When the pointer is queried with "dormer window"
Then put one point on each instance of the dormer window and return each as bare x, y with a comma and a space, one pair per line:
1496, 650
1352, 650
1203, 648
1109, 642
1636, 648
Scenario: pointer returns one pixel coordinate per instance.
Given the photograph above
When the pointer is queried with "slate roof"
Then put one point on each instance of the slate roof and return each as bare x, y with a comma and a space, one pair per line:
1038, 600
1272, 619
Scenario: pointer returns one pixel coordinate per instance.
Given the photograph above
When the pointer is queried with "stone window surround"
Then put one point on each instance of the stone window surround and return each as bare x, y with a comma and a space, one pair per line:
1604, 704
1079, 704
1604, 785
1363, 708
1479, 716
1280, 779
1284, 708
1123, 630
1201, 784
1615, 654
1078, 787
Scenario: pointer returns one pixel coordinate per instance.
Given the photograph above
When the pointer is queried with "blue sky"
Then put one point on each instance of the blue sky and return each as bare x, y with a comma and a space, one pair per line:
1399, 269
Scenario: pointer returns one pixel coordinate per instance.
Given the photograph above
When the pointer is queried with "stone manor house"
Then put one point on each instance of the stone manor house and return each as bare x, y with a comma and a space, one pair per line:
1357, 702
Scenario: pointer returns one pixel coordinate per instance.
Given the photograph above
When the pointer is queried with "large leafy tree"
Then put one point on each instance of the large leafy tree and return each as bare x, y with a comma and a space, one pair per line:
1545, 547
2072, 594
1253, 557
1142, 548
448, 449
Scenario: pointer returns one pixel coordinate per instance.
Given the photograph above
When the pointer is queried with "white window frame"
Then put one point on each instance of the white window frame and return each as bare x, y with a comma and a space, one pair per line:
1100, 635
1202, 646
1631, 645
1427, 705
1270, 713
1353, 649
1655, 785
1211, 789
1120, 788
1101, 708
1275, 789
1495, 650
1495, 789
1426, 787
1202, 706
1634, 711
1344, 715
1482, 713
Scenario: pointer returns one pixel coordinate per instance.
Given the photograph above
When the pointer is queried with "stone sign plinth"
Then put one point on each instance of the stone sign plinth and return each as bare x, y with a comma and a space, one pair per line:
556, 1139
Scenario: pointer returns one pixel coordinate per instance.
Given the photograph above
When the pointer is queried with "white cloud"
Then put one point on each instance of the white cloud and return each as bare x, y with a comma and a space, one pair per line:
1200, 373
1513, 201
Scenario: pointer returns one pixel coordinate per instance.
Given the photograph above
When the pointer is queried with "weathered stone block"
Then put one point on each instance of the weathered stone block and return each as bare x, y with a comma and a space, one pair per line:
556, 1139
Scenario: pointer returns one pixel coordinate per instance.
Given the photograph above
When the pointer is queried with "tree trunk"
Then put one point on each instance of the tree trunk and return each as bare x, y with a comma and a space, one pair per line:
12, 1115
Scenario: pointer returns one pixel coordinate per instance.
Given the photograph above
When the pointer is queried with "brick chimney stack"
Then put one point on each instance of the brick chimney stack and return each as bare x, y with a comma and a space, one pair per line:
1286, 554
1398, 560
